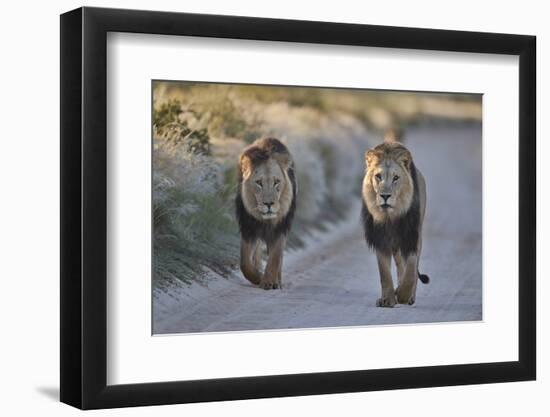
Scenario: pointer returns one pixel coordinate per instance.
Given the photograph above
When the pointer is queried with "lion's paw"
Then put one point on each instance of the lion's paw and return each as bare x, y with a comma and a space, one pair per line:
269, 285
404, 296
386, 301
266, 285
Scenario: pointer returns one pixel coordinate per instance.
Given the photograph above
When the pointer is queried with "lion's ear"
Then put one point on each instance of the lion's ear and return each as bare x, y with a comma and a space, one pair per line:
405, 158
371, 156
245, 166
284, 160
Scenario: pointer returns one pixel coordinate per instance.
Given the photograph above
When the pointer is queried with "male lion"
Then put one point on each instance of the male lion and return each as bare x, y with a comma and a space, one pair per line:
394, 203
265, 204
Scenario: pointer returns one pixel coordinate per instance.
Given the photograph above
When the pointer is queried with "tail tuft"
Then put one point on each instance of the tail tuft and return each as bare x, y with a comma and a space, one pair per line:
424, 278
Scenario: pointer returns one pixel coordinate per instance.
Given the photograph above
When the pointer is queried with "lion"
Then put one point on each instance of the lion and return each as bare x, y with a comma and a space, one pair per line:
265, 206
394, 204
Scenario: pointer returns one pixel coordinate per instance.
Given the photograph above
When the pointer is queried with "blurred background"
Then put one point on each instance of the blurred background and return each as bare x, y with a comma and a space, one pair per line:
199, 130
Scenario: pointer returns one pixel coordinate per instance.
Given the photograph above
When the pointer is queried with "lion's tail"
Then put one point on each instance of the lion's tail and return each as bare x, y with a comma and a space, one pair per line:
423, 278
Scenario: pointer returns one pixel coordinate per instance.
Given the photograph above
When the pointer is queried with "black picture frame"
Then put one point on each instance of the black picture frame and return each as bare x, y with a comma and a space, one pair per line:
84, 207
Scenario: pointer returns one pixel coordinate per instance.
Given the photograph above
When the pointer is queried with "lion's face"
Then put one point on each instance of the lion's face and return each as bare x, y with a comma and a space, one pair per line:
265, 191
388, 186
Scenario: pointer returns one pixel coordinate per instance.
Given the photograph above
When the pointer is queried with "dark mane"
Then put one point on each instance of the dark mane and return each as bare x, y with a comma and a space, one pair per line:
399, 234
263, 149
250, 227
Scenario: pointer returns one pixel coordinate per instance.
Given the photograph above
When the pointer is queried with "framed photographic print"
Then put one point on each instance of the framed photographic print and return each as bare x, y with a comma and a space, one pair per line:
257, 208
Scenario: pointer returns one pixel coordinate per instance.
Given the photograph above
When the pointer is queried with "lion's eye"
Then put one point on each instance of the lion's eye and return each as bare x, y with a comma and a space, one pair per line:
259, 182
378, 177
395, 178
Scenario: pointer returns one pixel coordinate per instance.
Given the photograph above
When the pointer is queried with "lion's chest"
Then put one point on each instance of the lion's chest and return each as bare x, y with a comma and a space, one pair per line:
393, 235
252, 228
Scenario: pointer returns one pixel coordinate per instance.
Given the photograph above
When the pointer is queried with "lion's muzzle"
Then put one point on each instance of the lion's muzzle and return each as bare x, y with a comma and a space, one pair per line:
385, 201
268, 210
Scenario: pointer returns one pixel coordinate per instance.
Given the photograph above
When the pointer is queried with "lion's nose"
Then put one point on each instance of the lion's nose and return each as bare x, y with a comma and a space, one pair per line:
385, 197
269, 205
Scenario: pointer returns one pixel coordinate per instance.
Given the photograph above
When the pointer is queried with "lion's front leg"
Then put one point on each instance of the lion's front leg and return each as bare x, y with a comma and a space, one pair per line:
384, 268
406, 291
249, 265
272, 274
257, 255
400, 265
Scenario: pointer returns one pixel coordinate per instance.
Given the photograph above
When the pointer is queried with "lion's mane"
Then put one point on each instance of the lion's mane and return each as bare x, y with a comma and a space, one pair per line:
252, 228
398, 234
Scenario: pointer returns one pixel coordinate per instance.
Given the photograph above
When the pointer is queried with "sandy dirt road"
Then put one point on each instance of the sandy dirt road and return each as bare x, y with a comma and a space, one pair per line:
334, 280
